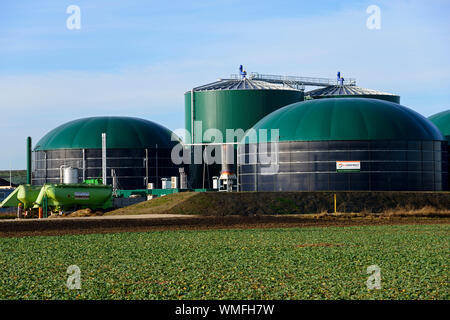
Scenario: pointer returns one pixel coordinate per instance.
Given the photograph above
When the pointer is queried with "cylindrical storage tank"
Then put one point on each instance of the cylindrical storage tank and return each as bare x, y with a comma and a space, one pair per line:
230, 104
234, 104
349, 91
138, 150
64, 197
78, 195
70, 175
166, 183
343, 144
442, 121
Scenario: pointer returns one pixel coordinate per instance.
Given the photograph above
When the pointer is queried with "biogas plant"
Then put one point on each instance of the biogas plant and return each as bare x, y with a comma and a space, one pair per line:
249, 132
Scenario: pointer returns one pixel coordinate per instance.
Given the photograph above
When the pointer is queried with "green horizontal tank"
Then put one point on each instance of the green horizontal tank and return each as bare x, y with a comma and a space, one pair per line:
63, 197
25, 194
234, 104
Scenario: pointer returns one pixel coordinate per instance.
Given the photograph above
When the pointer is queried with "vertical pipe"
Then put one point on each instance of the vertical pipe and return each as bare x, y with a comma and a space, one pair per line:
61, 175
203, 176
114, 180
45, 206
156, 160
192, 129
237, 169
84, 165
146, 169
19, 211
208, 177
45, 161
192, 116
29, 160
104, 158
10, 174
256, 166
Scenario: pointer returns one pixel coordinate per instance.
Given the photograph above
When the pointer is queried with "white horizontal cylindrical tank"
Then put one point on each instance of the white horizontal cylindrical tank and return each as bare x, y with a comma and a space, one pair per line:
70, 175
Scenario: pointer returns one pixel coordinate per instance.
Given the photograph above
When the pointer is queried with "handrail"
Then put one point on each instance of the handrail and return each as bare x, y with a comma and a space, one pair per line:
312, 81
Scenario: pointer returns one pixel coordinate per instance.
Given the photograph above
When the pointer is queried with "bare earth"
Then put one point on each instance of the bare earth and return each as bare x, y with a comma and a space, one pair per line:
154, 222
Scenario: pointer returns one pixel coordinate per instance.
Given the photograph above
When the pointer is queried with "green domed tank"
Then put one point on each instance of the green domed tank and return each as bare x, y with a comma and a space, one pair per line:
442, 121
138, 150
382, 146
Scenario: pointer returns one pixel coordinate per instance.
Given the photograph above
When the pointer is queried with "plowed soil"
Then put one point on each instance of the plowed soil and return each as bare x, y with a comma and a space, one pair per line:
55, 227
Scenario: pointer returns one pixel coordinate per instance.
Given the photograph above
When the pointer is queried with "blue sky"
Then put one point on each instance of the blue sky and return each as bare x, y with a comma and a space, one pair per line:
137, 58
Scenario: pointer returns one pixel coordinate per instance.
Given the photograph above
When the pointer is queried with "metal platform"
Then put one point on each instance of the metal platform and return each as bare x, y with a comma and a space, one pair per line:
294, 81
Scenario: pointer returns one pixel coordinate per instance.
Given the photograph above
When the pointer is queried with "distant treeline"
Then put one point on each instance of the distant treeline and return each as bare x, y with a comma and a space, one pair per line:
18, 176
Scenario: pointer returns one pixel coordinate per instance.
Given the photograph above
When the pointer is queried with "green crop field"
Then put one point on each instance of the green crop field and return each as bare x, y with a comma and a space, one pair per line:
307, 263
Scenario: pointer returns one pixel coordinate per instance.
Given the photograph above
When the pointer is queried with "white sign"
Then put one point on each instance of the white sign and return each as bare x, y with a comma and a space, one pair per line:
81, 195
348, 166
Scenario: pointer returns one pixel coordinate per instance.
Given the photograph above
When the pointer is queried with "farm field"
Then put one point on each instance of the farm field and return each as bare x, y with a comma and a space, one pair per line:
290, 263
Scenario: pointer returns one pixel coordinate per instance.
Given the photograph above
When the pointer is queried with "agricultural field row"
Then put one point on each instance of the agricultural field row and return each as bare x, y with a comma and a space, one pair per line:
297, 263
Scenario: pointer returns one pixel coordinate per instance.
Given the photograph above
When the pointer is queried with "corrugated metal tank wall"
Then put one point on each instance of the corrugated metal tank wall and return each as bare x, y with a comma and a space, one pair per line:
396, 148
229, 109
235, 109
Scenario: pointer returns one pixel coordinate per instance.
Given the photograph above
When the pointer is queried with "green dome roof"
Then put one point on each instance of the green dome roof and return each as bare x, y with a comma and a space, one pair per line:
442, 121
121, 132
345, 119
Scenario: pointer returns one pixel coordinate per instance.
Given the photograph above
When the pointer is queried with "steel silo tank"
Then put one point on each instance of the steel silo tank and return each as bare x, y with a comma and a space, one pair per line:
231, 104
235, 104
